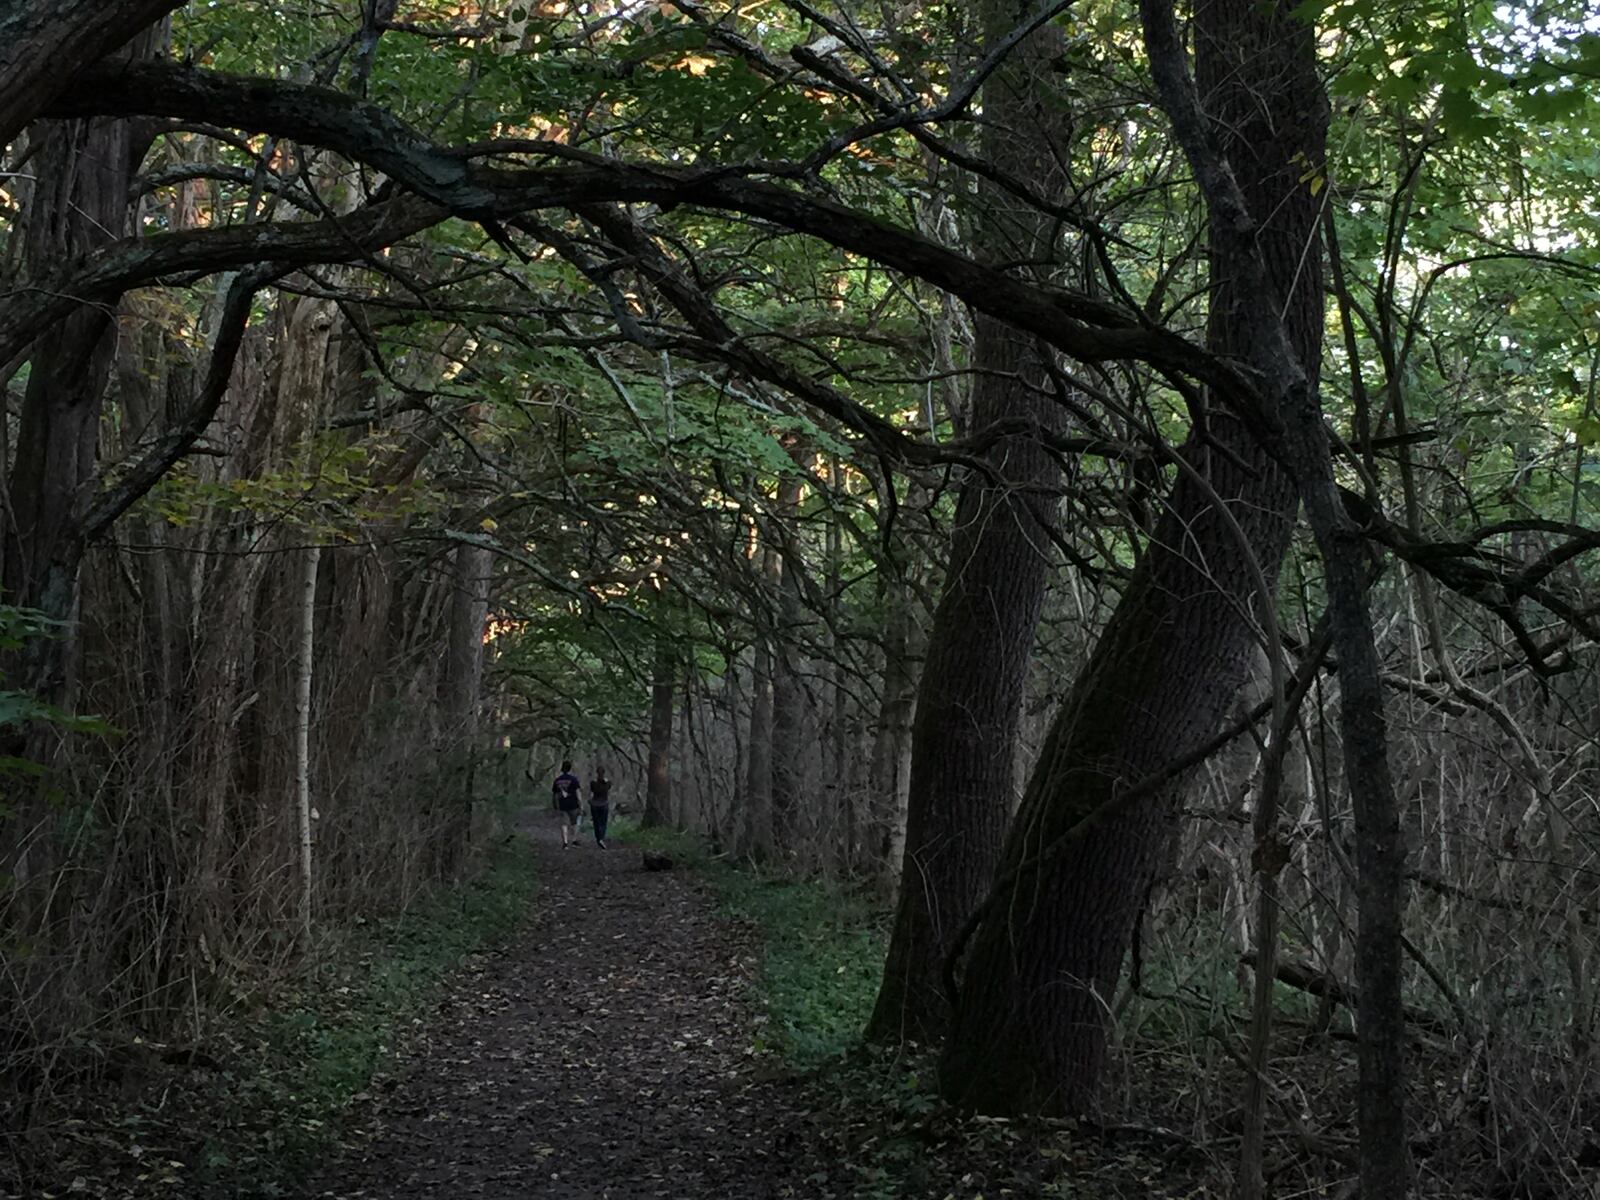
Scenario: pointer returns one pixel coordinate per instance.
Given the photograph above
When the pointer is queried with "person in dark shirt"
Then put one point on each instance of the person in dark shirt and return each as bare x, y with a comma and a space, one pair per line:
565, 795
600, 805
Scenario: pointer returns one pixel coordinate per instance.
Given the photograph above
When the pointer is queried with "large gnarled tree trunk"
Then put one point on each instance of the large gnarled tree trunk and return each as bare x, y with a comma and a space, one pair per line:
1032, 1021
970, 699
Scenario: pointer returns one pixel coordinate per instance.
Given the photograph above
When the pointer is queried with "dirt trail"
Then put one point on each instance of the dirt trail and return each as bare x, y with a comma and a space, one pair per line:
599, 1055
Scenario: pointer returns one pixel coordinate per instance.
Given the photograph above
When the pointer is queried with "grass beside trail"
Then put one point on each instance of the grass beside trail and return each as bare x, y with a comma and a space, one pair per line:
888, 1135
822, 949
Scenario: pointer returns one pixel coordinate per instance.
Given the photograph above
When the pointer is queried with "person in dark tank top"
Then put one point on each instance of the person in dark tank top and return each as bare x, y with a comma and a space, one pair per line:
600, 805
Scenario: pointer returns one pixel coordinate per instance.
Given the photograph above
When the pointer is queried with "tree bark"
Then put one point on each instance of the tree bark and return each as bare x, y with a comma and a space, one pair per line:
469, 616
890, 777
79, 203
756, 820
1031, 1027
969, 702
788, 692
43, 42
304, 669
663, 692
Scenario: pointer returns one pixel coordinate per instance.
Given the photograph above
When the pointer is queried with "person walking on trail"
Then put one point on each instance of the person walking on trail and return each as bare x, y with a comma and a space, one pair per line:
565, 796
600, 805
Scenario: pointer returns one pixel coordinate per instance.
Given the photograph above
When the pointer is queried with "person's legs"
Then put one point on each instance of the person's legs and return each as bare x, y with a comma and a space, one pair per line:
601, 816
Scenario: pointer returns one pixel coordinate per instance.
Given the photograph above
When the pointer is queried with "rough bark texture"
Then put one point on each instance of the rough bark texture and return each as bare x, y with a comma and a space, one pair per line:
1031, 1028
80, 201
970, 699
42, 42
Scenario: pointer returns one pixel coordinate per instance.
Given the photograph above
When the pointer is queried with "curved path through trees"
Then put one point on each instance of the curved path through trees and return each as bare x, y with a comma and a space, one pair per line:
600, 1054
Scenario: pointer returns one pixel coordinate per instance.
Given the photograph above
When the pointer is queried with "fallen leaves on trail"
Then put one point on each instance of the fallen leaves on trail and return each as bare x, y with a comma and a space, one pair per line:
606, 1054
602, 1054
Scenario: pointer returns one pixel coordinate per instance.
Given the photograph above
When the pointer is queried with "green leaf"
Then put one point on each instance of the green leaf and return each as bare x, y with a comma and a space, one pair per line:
1586, 430
1463, 117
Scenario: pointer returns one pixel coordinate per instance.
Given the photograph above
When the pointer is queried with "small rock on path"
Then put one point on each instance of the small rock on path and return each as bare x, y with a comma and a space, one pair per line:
600, 1055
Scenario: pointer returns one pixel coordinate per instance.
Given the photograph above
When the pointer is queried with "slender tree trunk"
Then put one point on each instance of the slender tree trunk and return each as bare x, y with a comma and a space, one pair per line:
1031, 1028
788, 692
757, 839
663, 693
219, 671
756, 825
842, 720
469, 614
302, 739
890, 775
969, 703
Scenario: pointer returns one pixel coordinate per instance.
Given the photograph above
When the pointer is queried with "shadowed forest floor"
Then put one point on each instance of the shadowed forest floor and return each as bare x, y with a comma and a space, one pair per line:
679, 1034
606, 1053
602, 1053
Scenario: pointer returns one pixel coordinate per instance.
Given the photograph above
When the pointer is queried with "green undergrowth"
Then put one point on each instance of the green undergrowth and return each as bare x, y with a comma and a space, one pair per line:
327, 1040
284, 1064
822, 947
887, 1135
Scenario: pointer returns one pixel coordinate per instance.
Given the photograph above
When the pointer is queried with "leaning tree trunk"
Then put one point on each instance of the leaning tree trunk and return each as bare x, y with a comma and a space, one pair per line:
969, 703
1030, 1033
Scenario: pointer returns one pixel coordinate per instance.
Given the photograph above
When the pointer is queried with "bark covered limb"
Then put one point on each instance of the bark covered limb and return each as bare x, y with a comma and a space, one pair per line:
1086, 328
42, 42
1305, 977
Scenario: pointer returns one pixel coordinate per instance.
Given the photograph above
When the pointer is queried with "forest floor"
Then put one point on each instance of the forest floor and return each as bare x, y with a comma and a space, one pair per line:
617, 1049
571, 1026
603, 1053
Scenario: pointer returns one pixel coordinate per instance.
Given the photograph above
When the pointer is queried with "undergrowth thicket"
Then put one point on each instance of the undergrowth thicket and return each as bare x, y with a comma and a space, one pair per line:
249, 1115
